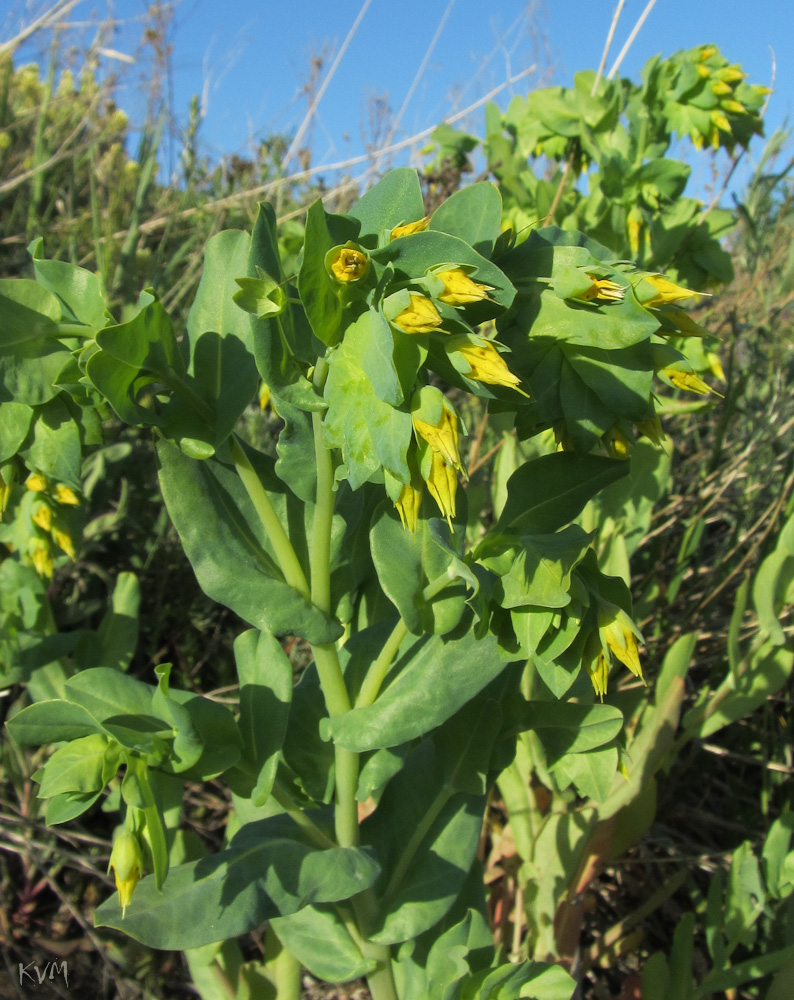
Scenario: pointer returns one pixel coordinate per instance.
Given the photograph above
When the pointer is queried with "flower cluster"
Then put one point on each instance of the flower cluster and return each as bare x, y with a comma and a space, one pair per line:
40, 523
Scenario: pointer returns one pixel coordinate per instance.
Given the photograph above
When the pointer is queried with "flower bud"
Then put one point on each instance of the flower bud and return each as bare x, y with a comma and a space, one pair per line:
442, 483
126, 861
617, 633
409, 228
485, 362
421, 316
65, 495
408, 504
36, 483
459, 289
666, 291
688, 381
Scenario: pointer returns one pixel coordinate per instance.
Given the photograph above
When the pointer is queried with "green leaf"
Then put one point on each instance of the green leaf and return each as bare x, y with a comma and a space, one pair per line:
51, 722
265, 872
465, 743
66, 806
431, 680
15, 419
565, 727
219, 333
309, 757
317, 292
27, 312
135, 354
225, 543
425, 838
406, 562
473, 214
338, 960
591, 772
371, 434
29, 371
118, 630
541, 571
56, 451
77, 767
395, 199
549, 492
265, 677
79, 290
106, 693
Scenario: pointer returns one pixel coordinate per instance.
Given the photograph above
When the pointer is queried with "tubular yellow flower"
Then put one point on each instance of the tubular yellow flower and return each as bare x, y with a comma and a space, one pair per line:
459, 289
707, 52
735, 107
36, 483
408, 504
618, 445
127, 864
442, 437
721, 122
487, 365
421, 316
667, 291
602, 289
43, 517
350, 265
264, 396
64, 541
651, 427
408, 228
597, 665
442, 484
703, 71
66, 495
721, 88
687, 380
41, 556
634, 229
617, 634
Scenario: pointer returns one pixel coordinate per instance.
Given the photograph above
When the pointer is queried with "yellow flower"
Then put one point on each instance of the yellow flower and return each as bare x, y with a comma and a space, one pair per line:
421, 316
603, 289
408, 504
597, 665
408, 228
667, 291
651, 427
442, 437
5, 493
65, 495
707, 52
735, 107
616, 632
618, 445
64, 541
41, 556
703, 71
43, 517
487, 365
459, 289
36, 483
720, 88
127, 864
721, 122
687, 380
442, 483
634, 228
716, 366
264, 396
350, 265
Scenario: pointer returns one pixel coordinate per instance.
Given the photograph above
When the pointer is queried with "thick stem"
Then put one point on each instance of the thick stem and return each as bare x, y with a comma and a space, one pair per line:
282, 546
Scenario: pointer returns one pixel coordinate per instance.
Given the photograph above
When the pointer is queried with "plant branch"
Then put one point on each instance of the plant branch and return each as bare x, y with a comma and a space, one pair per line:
282, 546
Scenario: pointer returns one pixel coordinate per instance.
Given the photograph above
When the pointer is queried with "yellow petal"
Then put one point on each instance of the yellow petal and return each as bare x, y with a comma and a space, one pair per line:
667, 291
421, 316
65, 495
487, 365
687, 380
408, 504
408, 228
442, 484
36, 483
350, 265
459, 289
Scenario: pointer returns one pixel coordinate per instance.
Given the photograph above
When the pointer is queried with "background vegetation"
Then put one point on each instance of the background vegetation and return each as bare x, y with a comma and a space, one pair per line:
70, 169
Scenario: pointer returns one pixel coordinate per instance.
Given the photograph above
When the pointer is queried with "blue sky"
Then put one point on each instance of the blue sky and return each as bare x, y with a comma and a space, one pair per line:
250, 59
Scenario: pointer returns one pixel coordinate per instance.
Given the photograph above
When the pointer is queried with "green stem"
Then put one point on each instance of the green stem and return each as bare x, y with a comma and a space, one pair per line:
320, 556
293, 810
285, 554
380, 668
